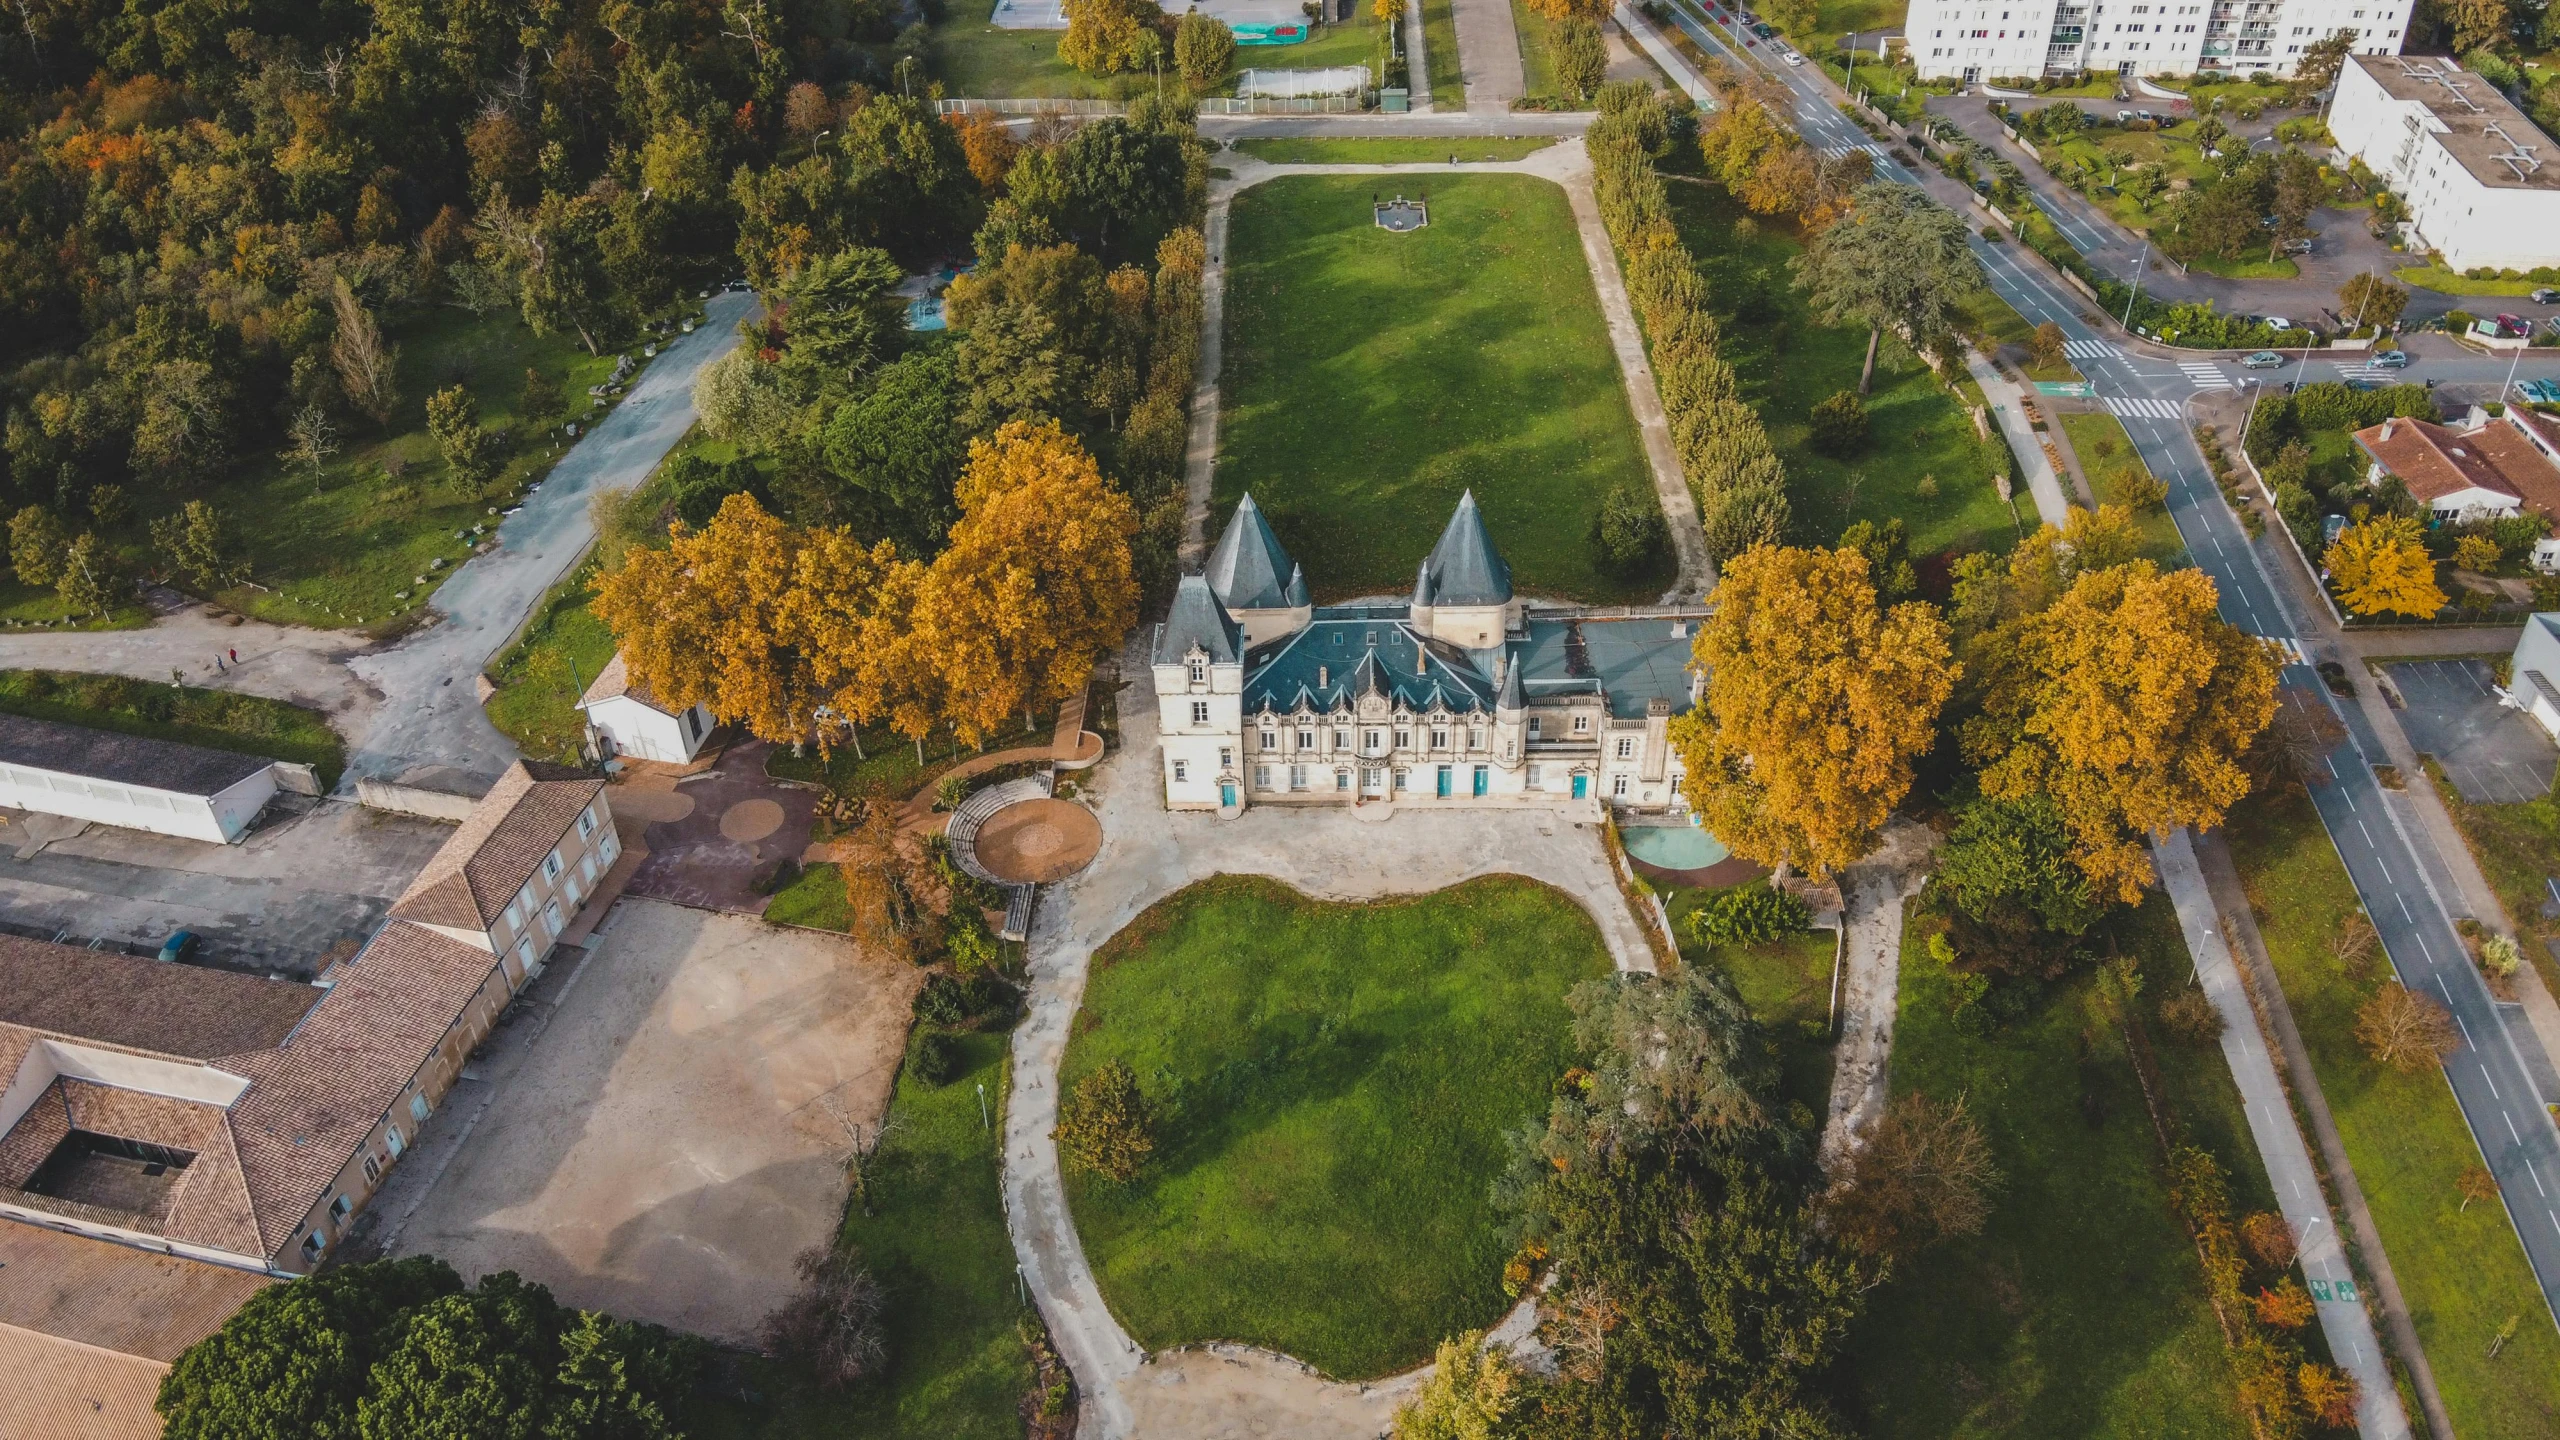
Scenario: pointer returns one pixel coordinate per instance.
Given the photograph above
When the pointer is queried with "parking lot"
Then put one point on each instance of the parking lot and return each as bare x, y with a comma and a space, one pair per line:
298, 886
661, 1128
2493, 755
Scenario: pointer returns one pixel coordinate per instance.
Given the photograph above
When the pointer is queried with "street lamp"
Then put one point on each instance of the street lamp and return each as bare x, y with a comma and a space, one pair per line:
2139, 265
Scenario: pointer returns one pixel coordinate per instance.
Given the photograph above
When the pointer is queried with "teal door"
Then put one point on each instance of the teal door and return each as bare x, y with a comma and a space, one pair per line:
1227, 793
1581, 786
1484, 778
1444, 782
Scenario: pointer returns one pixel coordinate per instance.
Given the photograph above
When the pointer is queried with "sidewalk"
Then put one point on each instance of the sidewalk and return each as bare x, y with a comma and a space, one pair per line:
2007, 402
2297, 1183
1489, 56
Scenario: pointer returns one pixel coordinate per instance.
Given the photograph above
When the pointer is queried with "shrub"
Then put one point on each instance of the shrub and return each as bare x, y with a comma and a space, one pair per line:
2404, 1029
2476, 553
2269, 1237
1106, 1125
831, 1325
1629, 534
933, 1056
1747, 915
1840, 424
2190, 1018
2286, 1307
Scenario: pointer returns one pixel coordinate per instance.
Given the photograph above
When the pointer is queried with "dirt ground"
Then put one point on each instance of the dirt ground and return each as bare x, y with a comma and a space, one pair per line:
672, 1138
1039, 841
710, 833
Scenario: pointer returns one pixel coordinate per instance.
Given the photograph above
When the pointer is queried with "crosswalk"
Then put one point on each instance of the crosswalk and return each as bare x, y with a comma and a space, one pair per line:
2126, 405
2367, 371
2090, 350
2294, 653
2205, 375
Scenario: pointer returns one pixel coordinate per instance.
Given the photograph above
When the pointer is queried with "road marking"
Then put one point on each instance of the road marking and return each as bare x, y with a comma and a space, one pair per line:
2493, 1086
2126, 407
2555, 1220
2511, 1126
2404, 908
2207, 376
2368, 837
2090, 350
2537, 1180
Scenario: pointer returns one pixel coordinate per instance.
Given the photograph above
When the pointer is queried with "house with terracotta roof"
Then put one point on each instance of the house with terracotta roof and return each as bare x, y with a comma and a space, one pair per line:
632, 721
2489, 469
246, 1121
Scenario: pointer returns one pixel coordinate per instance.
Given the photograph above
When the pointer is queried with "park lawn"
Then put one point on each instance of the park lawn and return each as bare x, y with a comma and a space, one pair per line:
1333, 1084
1352, 42
1786, 363
2516, 846
339, 553
215, 719
2462, 1272
814, 899
2081, 1309
935, 1238
24, 605
1537, 64
2253, 267
1371, 378
976, 60
1786, 983
1440, 44
1392, 150
2107, 454
542, 676
2454, 282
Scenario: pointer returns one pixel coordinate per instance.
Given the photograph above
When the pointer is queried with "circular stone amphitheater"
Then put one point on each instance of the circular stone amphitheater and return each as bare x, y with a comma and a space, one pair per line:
1017, 833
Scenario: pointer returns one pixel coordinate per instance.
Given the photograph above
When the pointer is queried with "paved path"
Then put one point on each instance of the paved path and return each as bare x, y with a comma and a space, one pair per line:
1568, 165
1489, 56
1148, 854
2007, 400
1417, 66
2297, 1183
1875, 892
413, 706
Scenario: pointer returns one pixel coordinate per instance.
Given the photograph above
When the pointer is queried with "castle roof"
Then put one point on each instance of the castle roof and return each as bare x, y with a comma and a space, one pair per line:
1339, 658
1198, 619
1464, 568
1250, 570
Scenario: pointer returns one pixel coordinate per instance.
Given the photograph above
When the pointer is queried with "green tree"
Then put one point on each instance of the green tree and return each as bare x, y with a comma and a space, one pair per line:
470, 1366
541, 399
564, 284
1888, 551
37, 540
2016, 853
619, 1380
1840, 424
191, 540
1106, 1125
900, 447
86, 585
1203, 49
293, 1362
1473, 1390
1628, 534
1898, 261
1581, 57
843, 318
1127, 180
2370, 299
453, 419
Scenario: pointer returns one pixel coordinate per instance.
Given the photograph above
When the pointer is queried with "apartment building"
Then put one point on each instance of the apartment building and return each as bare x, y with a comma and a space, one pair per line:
2477, 175
1979, 40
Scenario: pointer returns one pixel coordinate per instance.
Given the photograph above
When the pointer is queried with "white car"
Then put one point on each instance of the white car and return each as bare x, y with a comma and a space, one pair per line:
2278, 322
1794, 59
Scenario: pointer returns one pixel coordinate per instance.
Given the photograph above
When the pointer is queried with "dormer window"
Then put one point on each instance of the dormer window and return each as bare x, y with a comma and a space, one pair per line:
1199, 671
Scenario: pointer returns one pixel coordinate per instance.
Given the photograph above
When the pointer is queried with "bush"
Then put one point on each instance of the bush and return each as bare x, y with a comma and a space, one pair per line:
933, 1056
1629, 535
831, 1326
1106, 1125
1840, 424
2190, 1019
1747, 915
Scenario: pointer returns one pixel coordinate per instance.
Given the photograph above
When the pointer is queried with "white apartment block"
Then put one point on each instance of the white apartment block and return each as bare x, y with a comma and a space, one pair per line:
1978, 40
2477, 175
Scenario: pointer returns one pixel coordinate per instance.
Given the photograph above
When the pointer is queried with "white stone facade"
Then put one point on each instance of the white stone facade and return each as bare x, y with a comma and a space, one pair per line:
2479, 178
1979, 40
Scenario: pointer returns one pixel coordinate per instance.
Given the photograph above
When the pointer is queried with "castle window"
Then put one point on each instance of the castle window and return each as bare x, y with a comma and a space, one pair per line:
1401, 777
1371, 740
1404, 739
1199, 712
1626, 748
1341, 779
1341, 739
1306, 739
1181, 771
1537, 780
1510, 750
1618, 787
1475, 739
1581, 724
1270, 739
1439, 739
1261, 777
1297, 777
1533, 727
1226, 758
1199, 672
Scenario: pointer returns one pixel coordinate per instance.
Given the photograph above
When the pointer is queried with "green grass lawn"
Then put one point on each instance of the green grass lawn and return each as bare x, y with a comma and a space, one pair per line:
2107, 454
539, 680
2516, 847
337, 552
2080, 1310
1440, 44
1537, 64
1393, 150
936, 1240
1370, 378
976, 60
1787, 985
30, 605
2463, 1272
1787, 363
2454, 282
1335, 1082
1354, 42
215, 719
815, 899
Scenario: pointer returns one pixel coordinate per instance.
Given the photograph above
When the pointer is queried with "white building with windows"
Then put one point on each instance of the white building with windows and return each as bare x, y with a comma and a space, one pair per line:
631, 721
1462, 695
1978, 40
2479, 177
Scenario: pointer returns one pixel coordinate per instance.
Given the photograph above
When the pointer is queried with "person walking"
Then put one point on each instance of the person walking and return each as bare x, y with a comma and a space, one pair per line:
235, 655
217, 664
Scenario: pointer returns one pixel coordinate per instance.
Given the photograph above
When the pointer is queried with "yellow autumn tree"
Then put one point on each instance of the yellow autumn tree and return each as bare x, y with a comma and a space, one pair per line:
2381, 567
710, 620
1594, 11
1740, 136
844, 613
1035, 584
1818, 701
2132, 706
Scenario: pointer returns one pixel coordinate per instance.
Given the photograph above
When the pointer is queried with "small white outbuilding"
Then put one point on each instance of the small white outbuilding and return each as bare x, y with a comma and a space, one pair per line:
628, 720
2533, 675
135, 781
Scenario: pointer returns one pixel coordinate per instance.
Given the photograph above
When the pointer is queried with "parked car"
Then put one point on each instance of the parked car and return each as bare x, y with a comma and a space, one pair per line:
2391, 360
2545, 296
2263, 360
2513, 327
2124, 117
1793, 58
2334, 675
2276, 322
180, 946
1763, 29
2539, 392
2297, 247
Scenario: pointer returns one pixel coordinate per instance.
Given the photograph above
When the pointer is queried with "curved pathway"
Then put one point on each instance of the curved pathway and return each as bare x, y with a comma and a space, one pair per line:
1567, 164
1146, 855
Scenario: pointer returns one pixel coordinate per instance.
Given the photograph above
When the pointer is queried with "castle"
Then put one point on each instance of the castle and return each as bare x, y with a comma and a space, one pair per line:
1463, 695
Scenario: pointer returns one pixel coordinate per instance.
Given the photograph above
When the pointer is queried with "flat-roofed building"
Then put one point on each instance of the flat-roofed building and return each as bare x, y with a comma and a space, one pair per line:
134, 781
2477, 175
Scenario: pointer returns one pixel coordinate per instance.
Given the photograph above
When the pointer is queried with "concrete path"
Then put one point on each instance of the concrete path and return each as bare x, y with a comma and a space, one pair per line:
1146, 855
1489, 56
2469, 640
2007, 398
1683, 76
1568, 165
1417, 61
413, 707
1875, 892
2297, 1183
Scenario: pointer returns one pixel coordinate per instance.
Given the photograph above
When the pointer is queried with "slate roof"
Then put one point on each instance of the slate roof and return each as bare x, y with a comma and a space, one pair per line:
1250, 570
1634, 661
470, 880
124, 759
1198, 618
1338, 659
186, 1012
1464, 568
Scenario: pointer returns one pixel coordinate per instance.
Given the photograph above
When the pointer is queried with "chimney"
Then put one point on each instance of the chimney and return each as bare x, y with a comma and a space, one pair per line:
2388, 426
1324, 676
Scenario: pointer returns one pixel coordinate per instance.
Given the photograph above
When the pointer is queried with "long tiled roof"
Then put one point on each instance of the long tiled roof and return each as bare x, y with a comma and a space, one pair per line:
186, 1012
488, 859
115, 1297
2434, 461
1335, 661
